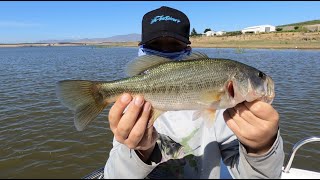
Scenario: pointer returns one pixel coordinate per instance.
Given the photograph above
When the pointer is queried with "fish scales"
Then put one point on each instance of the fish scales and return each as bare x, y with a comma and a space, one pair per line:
177, 82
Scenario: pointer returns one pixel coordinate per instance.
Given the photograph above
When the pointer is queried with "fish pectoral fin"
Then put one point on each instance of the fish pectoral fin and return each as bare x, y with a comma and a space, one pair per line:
210, 97
196, 115
208, 115
155, 113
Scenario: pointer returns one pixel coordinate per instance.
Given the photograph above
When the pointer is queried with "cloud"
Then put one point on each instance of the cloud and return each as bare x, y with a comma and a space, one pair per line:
17, 24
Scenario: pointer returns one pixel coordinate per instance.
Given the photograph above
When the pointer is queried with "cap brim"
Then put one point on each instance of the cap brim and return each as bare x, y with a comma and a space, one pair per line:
165, 34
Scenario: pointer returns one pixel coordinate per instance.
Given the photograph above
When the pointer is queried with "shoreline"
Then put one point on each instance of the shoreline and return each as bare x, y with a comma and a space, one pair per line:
194, 46
283, 40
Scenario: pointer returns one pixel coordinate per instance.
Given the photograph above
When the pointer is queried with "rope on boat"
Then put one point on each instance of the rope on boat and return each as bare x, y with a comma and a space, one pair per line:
97, 174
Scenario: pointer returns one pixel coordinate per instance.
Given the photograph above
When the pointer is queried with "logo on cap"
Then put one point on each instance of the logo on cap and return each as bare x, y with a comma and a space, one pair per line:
164, 18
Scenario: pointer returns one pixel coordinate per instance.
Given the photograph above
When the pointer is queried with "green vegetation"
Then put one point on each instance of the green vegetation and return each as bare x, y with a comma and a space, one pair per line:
276, 40
108, 45
103, 46
302, 23
233, 33
194, 33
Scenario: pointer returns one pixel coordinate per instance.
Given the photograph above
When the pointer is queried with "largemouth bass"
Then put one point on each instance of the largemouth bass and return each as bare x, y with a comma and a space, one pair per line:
196, 83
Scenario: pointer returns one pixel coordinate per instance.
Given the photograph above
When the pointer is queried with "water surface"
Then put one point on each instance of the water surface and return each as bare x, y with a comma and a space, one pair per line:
37, 135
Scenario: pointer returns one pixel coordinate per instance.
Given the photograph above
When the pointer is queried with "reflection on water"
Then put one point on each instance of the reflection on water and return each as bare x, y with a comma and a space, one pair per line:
38, 138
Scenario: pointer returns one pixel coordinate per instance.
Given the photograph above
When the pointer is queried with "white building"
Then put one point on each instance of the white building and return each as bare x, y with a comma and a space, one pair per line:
220, 33
259, 29
210, 33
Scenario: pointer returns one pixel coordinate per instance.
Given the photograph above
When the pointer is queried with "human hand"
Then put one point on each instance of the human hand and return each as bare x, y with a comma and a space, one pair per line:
130, 128
255, 124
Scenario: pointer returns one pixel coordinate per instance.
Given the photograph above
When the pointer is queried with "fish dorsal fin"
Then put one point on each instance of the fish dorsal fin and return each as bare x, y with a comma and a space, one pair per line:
143, 63
195, 55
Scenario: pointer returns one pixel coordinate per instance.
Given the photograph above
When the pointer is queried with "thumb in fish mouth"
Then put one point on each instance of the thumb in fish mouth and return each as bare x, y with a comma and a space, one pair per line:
267, 99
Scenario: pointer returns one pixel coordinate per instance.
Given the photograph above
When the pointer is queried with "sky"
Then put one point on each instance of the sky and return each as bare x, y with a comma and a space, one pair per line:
32, 21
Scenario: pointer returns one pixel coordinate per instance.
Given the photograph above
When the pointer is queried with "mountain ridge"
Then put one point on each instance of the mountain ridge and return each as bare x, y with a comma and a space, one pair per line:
133, 37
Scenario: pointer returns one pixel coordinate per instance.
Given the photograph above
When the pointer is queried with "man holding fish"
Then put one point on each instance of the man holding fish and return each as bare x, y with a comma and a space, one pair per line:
185, 144
180, 112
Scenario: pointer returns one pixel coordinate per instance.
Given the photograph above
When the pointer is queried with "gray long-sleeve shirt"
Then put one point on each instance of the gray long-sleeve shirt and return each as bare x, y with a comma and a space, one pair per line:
192, 149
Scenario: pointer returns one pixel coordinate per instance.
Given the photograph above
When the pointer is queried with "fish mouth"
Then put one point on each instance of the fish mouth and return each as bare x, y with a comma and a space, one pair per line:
269, 88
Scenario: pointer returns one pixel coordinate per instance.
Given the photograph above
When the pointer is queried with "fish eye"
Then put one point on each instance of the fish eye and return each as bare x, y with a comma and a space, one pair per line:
261, 74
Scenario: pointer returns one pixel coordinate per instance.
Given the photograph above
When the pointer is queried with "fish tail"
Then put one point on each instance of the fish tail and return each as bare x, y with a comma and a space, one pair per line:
84, 98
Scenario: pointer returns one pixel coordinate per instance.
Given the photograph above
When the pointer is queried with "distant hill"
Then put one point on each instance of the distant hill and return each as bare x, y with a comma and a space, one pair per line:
119, 38
302, 23
134, 37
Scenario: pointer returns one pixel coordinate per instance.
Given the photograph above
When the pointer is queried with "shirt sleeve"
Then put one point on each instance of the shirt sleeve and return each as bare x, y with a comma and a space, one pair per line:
242, 165
124, 163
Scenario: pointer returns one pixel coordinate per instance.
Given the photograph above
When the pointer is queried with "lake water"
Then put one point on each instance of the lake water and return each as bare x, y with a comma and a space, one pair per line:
37, 134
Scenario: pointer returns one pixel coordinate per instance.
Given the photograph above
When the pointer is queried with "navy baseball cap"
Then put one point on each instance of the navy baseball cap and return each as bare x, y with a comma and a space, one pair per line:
165, 22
